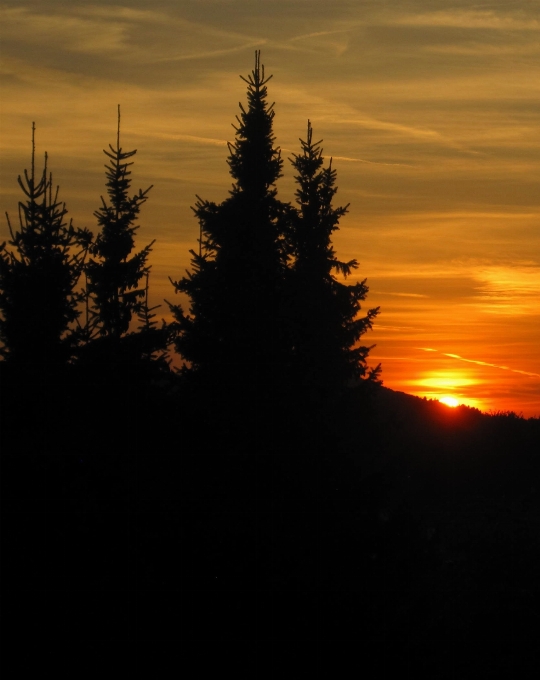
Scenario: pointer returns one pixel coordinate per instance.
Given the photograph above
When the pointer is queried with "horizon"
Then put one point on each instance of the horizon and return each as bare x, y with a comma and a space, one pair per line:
429, 112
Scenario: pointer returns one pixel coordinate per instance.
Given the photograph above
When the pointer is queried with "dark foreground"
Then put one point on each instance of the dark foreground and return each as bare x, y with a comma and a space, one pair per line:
381, 534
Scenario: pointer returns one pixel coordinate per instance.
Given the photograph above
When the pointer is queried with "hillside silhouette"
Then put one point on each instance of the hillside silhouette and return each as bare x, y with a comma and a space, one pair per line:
415, 532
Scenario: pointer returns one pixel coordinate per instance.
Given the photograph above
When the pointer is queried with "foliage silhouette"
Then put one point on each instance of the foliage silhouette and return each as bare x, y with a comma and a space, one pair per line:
153, 340
265, 307
114, 292
324, 310
114, 276
39, 275
236, 282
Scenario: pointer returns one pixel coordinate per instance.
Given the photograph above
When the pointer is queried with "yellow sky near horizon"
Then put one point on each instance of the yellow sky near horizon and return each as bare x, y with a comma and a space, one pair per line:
430, 110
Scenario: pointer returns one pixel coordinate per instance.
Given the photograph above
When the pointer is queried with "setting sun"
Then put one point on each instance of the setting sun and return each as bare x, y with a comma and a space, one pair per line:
449, 401
450, 386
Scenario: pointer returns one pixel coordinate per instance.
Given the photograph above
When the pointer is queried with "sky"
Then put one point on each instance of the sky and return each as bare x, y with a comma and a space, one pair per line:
430, 110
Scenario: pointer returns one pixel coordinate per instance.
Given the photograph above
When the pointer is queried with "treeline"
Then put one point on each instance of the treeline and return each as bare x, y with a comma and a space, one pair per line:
269, 309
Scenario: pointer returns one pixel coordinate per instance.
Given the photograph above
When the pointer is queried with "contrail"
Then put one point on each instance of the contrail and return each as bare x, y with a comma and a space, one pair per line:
481, 363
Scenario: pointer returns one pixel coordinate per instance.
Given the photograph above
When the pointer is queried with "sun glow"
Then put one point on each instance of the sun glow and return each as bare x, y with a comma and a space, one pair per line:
450, 387
449, 401
444, 380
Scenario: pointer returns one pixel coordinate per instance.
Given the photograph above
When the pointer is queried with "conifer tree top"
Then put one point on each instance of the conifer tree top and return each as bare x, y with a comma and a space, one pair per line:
39, 274
254, 162
115, 272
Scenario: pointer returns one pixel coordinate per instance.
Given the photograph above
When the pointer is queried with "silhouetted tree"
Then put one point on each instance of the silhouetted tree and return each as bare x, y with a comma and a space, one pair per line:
236, 281
325, 311
151, 339
39, 276
113, 273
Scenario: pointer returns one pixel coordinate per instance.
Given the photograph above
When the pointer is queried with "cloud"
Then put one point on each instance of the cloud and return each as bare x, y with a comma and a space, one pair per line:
410, 295
126, 13
397, 328
480, 49
376, 124
481, 363
363, 160
509, 289
478, 19
66, 32
318, 34
334, 41
206, 141
140, 36
424, 134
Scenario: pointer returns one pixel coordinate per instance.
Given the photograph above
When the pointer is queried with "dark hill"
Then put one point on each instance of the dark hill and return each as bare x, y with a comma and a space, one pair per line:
378, 528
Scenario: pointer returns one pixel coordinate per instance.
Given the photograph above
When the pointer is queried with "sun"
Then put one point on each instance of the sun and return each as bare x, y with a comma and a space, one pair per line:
449, 401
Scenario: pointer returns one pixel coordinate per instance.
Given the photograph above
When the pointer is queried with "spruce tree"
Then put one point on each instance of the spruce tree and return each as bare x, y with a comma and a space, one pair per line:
151, 340
114, 273
39, 276
325, 311
235, 285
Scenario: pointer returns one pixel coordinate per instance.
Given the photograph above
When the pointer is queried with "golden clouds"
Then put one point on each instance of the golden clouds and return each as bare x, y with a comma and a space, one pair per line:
513, 290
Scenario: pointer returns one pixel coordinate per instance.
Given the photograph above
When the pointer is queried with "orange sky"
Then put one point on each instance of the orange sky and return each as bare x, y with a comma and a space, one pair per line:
430, 110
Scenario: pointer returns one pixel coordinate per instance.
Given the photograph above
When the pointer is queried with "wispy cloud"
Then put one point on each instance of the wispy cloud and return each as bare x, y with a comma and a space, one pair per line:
363, 160
318, 34
480, 49
206, 54
410, 295
377, 124
121, 33
206, 141
70, 32
481, 363
397, 328
334, 41
511, 289
124, 13
479, 19
418, 133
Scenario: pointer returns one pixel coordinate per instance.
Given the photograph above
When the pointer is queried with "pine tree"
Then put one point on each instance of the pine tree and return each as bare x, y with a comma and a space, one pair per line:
114, 274
39, 276
325, 310
236, 281
151, 339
